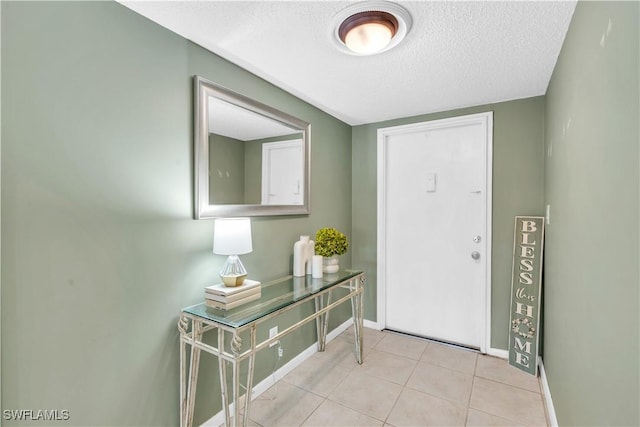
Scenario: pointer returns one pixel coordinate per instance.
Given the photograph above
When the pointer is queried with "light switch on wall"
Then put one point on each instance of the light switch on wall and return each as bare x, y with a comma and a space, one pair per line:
431, 182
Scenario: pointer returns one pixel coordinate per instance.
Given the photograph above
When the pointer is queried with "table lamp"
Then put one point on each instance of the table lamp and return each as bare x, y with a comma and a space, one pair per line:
232, 237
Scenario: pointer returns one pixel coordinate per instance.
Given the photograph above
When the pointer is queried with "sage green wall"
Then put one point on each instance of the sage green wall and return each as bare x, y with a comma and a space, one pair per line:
253, 172
226, 170
99, 248
591, 277
517, 190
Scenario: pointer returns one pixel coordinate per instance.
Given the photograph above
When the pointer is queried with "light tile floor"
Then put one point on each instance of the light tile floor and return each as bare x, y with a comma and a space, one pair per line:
404, 381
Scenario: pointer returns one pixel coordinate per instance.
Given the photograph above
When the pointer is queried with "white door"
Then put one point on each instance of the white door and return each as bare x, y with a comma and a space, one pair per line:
434, 217
282, 173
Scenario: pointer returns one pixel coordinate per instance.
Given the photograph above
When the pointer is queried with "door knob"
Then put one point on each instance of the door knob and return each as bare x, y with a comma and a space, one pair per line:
475, 255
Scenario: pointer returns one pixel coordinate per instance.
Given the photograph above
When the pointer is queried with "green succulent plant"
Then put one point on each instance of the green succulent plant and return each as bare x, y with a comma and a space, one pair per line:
330, 241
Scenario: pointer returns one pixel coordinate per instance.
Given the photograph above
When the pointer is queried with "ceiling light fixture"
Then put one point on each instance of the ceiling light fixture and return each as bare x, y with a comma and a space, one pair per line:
370, 27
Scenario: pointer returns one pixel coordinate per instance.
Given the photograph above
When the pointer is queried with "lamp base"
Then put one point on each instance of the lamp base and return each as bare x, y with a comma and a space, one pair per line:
233, 272
233, 281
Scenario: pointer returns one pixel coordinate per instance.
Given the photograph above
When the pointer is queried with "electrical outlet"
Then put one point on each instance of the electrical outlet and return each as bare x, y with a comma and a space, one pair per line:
280, 352
272, 333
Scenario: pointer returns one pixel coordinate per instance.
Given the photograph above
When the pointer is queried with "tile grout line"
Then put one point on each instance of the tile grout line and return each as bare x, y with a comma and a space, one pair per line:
539, 391
473, 383
455, 402
415, 367
325, 399
386, 418
508, 385
405, 386
313, 412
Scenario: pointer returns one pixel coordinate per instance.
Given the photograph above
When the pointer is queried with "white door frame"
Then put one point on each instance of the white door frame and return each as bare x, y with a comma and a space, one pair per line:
485, 119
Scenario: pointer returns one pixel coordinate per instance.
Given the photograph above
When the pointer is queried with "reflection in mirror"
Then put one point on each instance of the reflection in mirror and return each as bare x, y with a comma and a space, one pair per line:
250, 158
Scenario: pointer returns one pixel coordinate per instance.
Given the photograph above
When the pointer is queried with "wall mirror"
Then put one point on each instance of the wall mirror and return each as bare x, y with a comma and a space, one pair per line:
250, 159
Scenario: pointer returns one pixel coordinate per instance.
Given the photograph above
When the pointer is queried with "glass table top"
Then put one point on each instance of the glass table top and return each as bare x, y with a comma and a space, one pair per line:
275, 295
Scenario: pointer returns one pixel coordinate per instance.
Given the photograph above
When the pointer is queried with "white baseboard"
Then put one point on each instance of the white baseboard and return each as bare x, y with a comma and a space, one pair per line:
496, 352
372, 325
264, 385
546, 391
548, 402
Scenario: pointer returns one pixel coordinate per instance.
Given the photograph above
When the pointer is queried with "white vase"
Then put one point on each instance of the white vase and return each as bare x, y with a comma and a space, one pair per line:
300, 256
309, 256
316, 270
303, 251
330, 265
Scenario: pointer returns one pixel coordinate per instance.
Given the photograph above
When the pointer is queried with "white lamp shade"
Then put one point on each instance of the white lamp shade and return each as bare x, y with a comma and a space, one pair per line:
232, 236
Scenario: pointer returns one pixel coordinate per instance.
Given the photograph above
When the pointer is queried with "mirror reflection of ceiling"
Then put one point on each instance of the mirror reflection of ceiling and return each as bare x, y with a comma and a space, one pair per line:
235, 122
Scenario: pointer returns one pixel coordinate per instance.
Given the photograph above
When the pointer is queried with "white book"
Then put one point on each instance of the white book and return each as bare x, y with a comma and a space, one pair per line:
221, 289
230, 305
233, 297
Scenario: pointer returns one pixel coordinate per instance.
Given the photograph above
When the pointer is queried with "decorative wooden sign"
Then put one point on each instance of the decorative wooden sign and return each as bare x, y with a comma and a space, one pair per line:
526, 278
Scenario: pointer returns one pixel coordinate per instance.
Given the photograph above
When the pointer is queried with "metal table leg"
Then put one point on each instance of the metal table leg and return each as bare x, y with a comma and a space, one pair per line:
236, 347
183, 327
252, 361
235, 355
222, 367
322, 322
188, 400
357, 310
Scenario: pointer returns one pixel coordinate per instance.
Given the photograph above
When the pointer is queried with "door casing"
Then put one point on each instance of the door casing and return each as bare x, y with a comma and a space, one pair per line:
383, 133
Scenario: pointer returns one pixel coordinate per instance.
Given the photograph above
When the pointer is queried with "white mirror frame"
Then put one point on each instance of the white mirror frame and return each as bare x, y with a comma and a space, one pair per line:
203, 89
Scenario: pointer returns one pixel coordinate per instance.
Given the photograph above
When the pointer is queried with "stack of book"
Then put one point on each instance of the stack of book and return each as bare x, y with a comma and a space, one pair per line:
225, 298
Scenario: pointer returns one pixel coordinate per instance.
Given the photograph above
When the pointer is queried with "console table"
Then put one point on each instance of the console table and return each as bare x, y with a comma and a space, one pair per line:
277, 297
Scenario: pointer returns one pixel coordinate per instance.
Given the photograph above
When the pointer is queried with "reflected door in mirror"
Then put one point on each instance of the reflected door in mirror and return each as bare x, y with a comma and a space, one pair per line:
282, 173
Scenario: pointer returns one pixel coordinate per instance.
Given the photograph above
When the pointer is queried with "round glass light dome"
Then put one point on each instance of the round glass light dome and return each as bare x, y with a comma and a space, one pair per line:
367, 33
370, 27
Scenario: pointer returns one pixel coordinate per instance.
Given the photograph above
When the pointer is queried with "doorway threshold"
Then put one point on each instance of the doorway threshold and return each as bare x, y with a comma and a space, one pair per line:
445, 343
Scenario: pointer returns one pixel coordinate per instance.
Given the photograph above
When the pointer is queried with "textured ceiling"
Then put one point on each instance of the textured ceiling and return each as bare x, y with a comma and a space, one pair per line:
457, 53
